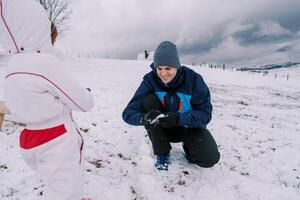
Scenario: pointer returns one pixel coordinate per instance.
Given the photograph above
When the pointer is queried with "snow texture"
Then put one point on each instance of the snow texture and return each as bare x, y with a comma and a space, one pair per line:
255, 124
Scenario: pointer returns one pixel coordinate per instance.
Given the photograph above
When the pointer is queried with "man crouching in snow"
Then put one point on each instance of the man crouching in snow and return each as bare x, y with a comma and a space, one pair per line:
173, 103
42, 95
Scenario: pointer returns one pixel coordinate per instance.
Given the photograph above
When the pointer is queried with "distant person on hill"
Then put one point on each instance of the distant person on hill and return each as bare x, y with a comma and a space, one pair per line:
146, 54
40, 93
173, 104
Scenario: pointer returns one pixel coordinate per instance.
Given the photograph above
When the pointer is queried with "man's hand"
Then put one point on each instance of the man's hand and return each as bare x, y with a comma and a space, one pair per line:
150, 118
169, 120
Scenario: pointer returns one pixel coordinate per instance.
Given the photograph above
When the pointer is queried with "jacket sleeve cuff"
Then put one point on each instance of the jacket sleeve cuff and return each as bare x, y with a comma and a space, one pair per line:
139, 118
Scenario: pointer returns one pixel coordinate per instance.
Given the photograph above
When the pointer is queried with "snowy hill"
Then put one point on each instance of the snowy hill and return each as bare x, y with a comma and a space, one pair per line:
255, 123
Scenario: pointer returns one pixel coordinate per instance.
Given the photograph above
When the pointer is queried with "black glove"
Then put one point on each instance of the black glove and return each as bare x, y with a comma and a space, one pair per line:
170, 119
147, 119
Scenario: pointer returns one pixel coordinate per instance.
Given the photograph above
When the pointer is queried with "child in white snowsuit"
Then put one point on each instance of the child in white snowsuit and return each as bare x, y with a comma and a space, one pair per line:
39, 93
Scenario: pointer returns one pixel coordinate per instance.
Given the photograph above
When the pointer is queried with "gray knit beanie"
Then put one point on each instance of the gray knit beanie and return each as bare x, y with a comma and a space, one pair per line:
166, 55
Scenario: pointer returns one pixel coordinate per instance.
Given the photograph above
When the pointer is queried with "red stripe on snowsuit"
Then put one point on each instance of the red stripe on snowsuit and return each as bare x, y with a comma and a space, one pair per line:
81, 146
12, 37
28, 73
33, 138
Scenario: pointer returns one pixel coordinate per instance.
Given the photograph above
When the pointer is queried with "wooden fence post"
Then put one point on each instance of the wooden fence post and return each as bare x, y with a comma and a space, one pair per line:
3, 111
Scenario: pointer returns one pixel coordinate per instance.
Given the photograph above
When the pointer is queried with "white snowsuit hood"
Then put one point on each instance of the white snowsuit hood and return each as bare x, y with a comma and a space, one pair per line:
18, 34
37, 88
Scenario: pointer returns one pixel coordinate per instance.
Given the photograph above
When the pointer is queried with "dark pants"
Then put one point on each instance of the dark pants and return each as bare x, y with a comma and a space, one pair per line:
198, 144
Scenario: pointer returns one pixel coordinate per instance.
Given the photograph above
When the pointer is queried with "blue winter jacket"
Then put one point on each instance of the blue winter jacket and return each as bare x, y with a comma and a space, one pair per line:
186, 94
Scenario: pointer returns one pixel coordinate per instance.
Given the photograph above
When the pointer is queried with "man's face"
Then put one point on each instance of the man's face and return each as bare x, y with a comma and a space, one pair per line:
166, 73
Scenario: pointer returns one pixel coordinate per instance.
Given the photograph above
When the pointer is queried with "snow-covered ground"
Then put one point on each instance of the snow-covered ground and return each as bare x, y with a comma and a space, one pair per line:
255, 123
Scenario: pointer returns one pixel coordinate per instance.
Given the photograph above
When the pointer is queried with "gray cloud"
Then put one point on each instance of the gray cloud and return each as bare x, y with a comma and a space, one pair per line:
204, 31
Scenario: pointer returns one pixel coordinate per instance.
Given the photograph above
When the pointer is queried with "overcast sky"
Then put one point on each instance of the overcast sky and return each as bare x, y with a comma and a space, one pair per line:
223, 31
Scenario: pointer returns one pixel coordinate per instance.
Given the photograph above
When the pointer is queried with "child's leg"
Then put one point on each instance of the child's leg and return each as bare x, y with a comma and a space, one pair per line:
60, 166
58, 162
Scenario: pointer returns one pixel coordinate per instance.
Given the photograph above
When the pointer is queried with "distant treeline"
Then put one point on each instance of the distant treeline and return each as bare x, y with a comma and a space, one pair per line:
261, 68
